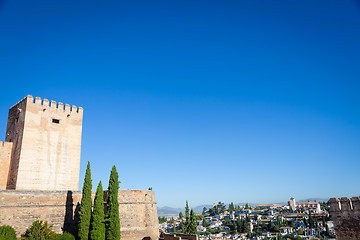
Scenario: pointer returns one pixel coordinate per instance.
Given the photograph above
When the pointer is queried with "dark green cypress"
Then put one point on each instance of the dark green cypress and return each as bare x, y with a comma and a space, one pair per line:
112, 222
187, 216
97, 225
85, 206
192, 226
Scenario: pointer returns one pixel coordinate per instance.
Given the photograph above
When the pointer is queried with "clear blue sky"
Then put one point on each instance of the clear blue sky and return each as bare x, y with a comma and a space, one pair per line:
204, 101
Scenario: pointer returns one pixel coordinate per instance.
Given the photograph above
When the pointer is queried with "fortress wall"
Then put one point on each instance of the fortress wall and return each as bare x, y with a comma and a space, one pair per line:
138, 213
5, 158
346, 217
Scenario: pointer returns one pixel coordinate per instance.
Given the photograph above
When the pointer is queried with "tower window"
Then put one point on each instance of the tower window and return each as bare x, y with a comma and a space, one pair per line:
57, 121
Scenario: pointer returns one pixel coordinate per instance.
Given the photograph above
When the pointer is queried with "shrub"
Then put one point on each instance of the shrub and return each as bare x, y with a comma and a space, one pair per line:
7, 233
39, 230
64, 236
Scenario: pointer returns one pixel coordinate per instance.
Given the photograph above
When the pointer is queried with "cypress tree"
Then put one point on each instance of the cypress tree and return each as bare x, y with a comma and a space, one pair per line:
192, 226
97, 225
112, 222
85, 206
187, 216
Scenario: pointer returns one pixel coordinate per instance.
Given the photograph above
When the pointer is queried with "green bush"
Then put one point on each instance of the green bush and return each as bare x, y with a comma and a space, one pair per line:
7, 233
64, 236
39, 231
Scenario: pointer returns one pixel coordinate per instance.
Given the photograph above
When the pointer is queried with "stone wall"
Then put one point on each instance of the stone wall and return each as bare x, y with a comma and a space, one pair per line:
5, 158
47, 145
346, 217
138, 212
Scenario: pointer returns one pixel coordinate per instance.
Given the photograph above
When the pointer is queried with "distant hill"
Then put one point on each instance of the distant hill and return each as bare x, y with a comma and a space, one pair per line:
314, 200
199, 209
168, 211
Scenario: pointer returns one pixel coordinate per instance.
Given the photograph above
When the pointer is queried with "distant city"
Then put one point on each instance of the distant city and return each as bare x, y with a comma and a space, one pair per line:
304, 219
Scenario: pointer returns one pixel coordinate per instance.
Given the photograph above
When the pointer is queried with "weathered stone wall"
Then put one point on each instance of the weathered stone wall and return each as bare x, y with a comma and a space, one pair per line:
14, 134
138, 213
5, 158
47, 145
346, 217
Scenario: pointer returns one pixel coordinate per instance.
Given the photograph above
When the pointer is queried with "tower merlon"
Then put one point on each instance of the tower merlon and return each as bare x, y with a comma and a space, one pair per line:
53, 104
60, 106
67, 107
346, 204
4, 144
335, 204
45, 102
30, 98
356, 203
38, 100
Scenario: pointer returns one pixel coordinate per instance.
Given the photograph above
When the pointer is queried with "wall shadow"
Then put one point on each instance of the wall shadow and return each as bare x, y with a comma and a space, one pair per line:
71, 217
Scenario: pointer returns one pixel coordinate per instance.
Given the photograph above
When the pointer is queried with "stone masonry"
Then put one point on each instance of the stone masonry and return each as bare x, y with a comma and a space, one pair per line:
49, 134
39, 173
5, 157
346, 216
19, 208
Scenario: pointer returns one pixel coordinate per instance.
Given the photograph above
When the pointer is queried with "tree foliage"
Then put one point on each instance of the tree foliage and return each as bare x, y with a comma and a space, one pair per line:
112, 222
97, 226
64, 236
39, 230
7, 233
85, 206
191, 227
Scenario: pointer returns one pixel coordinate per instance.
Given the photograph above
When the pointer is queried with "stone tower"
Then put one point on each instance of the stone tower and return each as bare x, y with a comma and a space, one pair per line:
346, 217
46, 145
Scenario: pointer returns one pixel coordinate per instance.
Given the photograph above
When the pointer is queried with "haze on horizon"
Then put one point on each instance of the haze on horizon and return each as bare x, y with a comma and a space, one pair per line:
205, 101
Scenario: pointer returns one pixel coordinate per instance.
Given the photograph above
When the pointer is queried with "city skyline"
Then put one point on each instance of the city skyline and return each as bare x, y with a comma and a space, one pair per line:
204, 101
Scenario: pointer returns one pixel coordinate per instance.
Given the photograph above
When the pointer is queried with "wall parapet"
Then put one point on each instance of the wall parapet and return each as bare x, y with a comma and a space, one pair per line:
346, 216
5, 144
345, 204
52, 104
19, 208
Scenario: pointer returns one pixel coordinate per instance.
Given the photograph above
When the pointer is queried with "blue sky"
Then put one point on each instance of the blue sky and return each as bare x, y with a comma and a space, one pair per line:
206, 101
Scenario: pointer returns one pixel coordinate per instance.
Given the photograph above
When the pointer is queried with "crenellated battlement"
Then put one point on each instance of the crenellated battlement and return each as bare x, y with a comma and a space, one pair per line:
52, 104
344, 204
5, 144
346, 216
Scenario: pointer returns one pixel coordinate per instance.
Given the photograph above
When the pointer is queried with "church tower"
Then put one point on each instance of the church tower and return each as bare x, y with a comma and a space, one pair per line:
46, 145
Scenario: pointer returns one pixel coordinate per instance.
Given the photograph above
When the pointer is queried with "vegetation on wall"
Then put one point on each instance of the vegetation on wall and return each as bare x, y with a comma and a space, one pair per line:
39, 230
7, 233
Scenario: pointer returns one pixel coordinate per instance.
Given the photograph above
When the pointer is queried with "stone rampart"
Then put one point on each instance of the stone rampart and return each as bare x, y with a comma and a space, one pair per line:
138, 213
346, 217
5, 159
